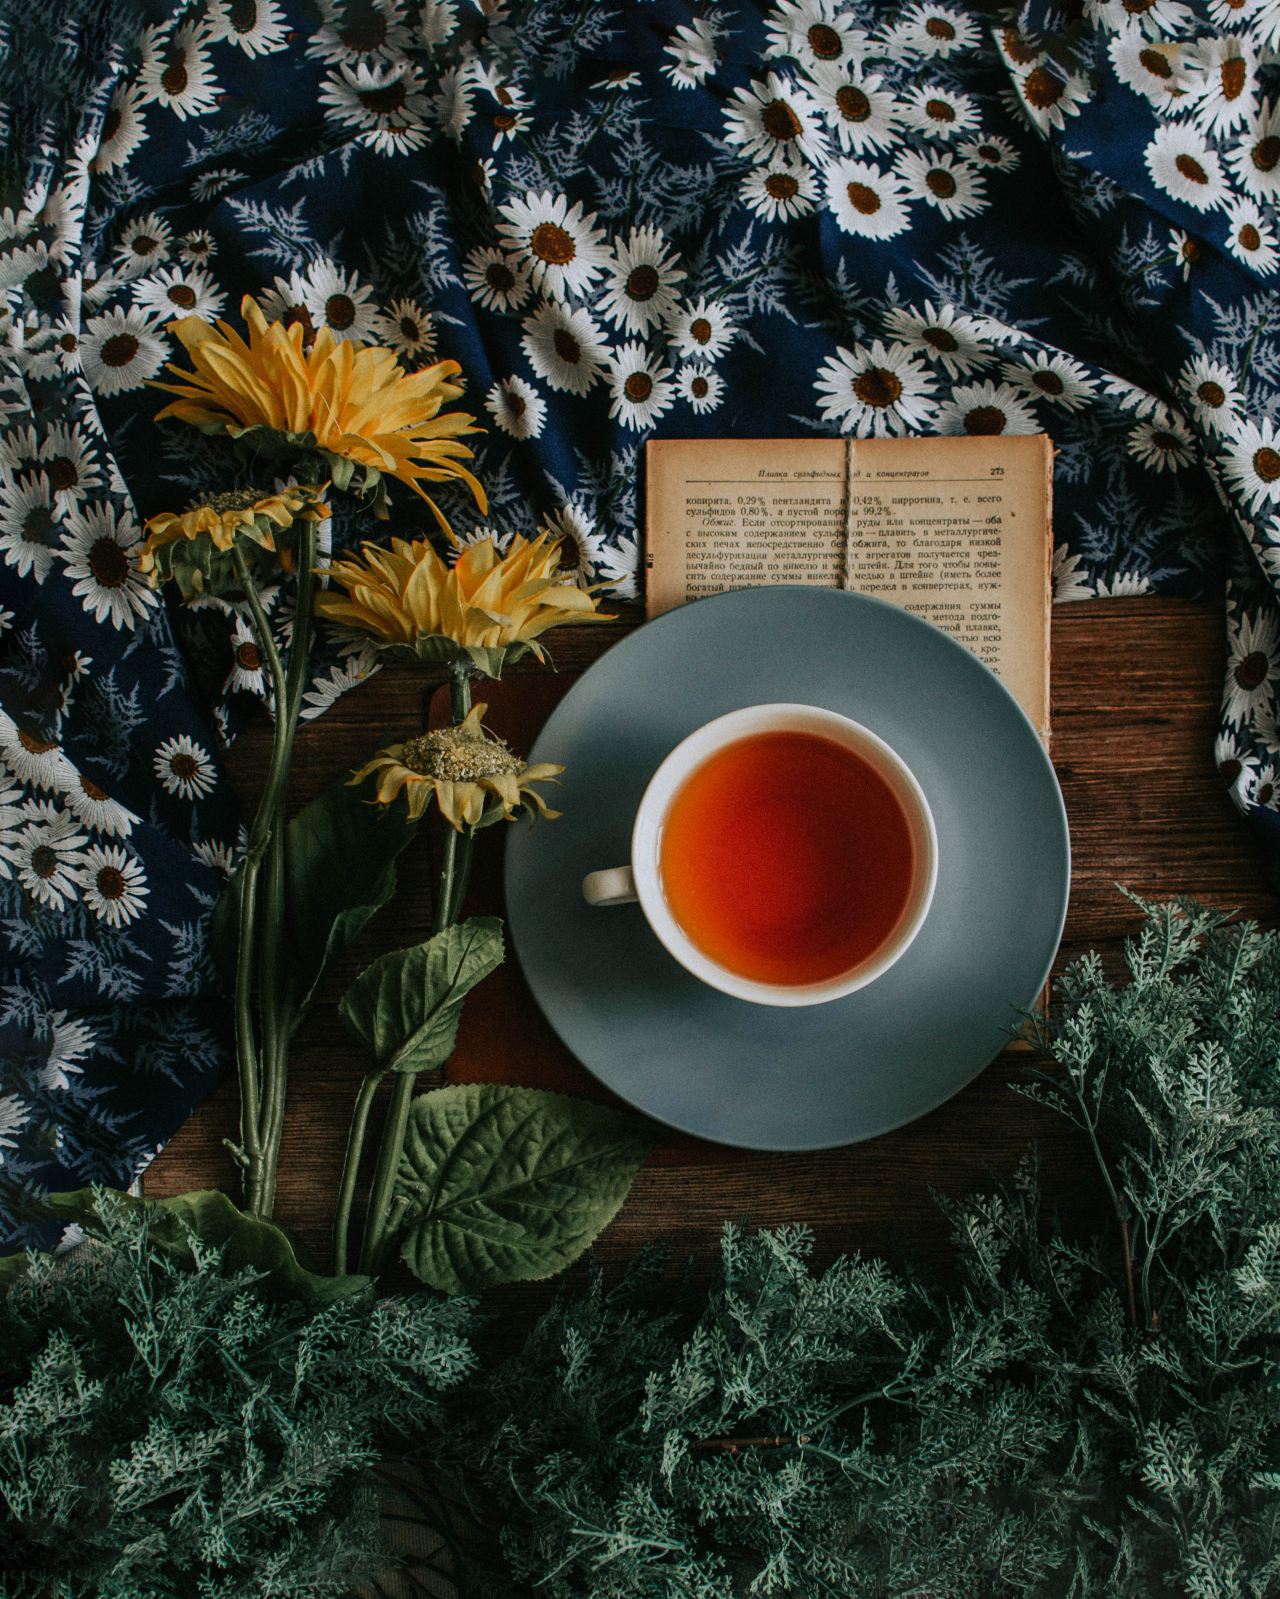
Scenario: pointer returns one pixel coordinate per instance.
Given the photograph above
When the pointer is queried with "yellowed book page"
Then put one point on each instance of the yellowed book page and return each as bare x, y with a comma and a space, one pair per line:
954, 529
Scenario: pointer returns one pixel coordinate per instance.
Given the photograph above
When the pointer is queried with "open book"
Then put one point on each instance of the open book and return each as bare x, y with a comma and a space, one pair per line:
955, 529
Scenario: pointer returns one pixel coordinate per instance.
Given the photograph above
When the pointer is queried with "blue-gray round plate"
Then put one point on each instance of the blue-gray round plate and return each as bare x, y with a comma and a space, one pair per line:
811, 1078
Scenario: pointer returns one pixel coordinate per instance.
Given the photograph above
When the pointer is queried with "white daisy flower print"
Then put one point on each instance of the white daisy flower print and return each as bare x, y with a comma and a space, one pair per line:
30, 529
121, 350
1252, 666
94, 808
113, 884
1255, 160
385, 104
701, 387
814, 32
942, 335
857, 108
258, 27
496, 280
991, 151
39, 762
19, 451
14, 1115
100, 547
197, 247
565, 250
772, 118
143, 245
1164, 443
482, 533
517, 408
184, 768
1230, 753
939, 113
69, 1042
1213, 393
49, 848
1160, 72
1154, 19
866, 201
565, 347
248, 672
702, 330
68, 459
1047, 96
876, 390
179, 291
1070, 580
986, 408
639, 389
1223, 84
176, 71
11, 818
1050, 375
694, 53
220, 857
351, 34
1182, 163
407, 328
641, 280
780, 191
1251, 465
581, 546
943, 181
123, 129
931, 30
336, 682
1251, 236
339, 301
619, 568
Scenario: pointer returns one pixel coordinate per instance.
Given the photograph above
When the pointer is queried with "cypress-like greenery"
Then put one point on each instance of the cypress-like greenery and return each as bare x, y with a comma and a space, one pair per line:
1058, 1419
170, 1428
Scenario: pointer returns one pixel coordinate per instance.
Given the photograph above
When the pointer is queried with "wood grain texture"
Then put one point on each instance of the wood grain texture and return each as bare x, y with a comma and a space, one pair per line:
1136, 686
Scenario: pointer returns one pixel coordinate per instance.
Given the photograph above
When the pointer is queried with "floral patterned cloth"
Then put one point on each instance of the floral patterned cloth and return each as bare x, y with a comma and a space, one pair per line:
623, 219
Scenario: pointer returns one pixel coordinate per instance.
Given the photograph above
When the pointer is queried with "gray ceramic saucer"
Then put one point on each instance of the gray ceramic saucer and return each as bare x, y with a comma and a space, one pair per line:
750, 1075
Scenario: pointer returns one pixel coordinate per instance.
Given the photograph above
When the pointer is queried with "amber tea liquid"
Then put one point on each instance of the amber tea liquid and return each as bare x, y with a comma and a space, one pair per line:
787, 858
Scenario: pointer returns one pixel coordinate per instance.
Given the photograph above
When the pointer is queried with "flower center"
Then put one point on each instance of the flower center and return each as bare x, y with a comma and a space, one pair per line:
451, 756
500, 276
1249, 238
111, 124
1048, 382
852, 103
1229, 770
1266, 463
642, 283
941, 340
699, 388
249, 656
1251, 671
1137, 7
1190, 250
1017, 48
1212, 393
1232, 73
33, 745
69, 343
825, 42
39, 527
700, 330
939, 111
568, 555
515, 404
1042, 88
183, 766
781, 186
863, 199
182, 295
984, 419
988, 152
44, 861
1264, 794
62, 472
390, 97
1266, 153
108, 563
779, 121
410, 332
244, 15
1156, 63
940, 182
339, 311
299, 315
119, 349
111, 883
877, 386
173, 80
638, 387
1191, 169
550, 243
939, 28
503, 121
1166, 441
90, 790
567, 347
366, 33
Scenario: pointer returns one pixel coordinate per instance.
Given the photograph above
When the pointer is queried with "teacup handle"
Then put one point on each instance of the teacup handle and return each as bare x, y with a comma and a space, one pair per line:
616, 885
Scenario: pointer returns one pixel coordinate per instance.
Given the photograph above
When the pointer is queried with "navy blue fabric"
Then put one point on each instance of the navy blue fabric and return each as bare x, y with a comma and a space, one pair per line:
744, 219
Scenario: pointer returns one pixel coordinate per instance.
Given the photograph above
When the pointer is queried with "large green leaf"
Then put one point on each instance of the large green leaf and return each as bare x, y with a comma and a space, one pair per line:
340, 869
405, 1008
245, 1241
510, 1184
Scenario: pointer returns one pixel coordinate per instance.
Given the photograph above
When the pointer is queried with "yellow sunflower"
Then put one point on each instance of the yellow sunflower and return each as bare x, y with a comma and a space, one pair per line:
486, 608
474, 777
195, 547
351, 401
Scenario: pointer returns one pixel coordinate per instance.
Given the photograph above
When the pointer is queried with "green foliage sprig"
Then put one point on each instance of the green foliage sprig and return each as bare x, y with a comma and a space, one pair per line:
175, 1427
1061, 1418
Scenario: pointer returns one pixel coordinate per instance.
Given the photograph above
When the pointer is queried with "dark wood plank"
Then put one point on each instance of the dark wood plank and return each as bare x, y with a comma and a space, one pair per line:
1136, 686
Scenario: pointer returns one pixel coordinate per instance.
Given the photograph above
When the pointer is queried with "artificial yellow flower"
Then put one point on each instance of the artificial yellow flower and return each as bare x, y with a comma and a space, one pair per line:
195, 547
474, 777
351, 401
486, 608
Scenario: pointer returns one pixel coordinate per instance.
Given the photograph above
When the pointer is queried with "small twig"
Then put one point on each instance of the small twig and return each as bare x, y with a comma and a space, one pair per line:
732, 1446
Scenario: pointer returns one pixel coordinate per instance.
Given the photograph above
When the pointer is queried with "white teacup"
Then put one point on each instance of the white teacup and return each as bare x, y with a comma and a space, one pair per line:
642, 881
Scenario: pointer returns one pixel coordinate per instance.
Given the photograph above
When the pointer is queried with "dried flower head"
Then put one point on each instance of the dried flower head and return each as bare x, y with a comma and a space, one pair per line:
195, 547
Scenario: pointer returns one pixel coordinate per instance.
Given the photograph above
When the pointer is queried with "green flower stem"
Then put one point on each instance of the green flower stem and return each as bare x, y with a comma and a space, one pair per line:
379, 1230
351, 1169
